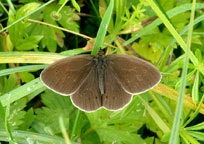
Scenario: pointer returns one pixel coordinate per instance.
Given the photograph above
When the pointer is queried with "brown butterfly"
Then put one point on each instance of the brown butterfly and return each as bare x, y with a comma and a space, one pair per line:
100, 81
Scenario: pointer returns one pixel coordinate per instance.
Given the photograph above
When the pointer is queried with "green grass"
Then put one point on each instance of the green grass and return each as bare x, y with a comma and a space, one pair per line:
31, 37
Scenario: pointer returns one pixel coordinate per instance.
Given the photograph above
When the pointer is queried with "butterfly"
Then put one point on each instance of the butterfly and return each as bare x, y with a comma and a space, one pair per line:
99, 81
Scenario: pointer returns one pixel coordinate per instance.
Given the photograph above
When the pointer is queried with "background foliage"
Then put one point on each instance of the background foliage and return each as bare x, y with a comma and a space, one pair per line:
47, 31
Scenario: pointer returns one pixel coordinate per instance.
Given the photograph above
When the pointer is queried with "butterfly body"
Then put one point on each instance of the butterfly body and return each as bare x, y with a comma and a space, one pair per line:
100, 81
101, 65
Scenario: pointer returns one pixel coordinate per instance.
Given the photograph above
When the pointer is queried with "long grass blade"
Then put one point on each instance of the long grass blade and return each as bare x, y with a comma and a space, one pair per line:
63, 129
103, 29
20, 69
176, 124
21, 91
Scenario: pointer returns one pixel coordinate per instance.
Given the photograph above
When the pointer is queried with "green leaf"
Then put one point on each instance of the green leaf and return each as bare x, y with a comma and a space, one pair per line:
2, 112
18, 32
56, 101
193, 116
62, 1
175, 65
198, 55
52, 36
195, 92
197, 135
9, 44
119, 126
69, 19
190, 74
91, 138
28, 120
187, 137
199, 126
75, 4
57, 106
10, 83
7, 125
148, 47
26, 76
16, 116
28, 43
113, 134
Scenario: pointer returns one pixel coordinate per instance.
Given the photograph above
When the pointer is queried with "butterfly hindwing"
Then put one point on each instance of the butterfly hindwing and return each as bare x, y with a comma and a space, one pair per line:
87, 96
115, 97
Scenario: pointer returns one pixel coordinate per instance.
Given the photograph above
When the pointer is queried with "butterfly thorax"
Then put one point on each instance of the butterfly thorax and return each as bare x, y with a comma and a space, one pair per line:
101, 64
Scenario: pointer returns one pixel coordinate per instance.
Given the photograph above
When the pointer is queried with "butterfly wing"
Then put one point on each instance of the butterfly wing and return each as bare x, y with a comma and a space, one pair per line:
65, 76
135, 75
115, 96
87, 97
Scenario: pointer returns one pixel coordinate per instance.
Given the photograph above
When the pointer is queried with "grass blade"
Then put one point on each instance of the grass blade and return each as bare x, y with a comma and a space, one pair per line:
74, 134
103, 29
63, 129
20, 69
176, 124
161, 124
33, 137
21, 91
172, 94
196, 112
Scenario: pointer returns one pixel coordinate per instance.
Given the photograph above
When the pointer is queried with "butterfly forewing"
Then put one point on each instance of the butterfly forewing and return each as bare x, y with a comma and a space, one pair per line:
65, 76
115, 97
87, 97
134, 74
